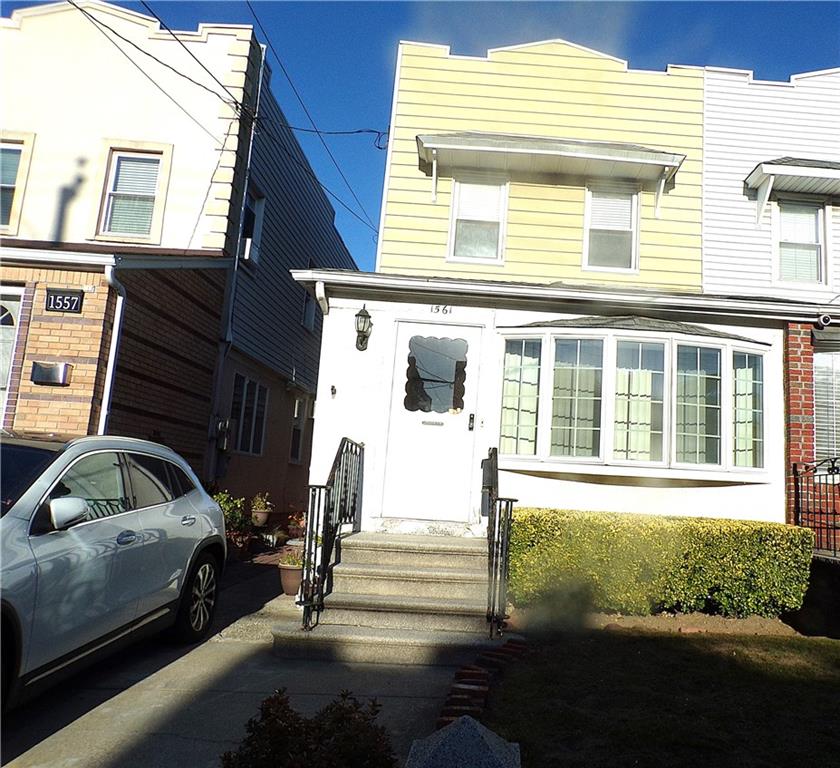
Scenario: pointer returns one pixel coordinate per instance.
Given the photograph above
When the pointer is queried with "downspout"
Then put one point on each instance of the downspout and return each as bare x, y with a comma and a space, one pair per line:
116, 331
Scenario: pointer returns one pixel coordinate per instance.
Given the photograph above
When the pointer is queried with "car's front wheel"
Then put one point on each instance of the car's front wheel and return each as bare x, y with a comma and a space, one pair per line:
198, 600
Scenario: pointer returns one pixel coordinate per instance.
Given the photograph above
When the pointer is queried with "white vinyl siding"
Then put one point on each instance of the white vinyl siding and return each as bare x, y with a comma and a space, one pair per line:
610, 233
132, 189
747, 122
827, 404
800, 247
478, 221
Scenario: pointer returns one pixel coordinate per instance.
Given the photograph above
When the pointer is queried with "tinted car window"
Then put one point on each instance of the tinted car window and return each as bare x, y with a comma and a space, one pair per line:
98, 480
180, 480
150, 482
19, 466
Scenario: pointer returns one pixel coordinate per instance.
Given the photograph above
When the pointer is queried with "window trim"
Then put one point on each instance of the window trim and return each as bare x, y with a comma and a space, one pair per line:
824, 216
26, 142
251, 245
504, 194
635, 220
112, 148
606, 458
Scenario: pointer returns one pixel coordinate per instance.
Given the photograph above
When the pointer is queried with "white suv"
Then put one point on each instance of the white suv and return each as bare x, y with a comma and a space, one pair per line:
101, 538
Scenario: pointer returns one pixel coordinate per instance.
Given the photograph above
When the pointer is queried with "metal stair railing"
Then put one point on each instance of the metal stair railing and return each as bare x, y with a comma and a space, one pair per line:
499, 512
331, 506
816, 489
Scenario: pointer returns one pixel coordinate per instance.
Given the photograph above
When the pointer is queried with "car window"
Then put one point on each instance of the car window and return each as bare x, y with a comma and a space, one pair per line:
150, 482
180, 479
19, 466
98, 480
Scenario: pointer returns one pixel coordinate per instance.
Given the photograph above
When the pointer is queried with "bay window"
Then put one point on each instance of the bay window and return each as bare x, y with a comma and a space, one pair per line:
667, 402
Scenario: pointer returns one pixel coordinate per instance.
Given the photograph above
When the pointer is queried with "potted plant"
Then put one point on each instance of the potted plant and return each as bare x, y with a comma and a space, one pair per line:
296, 522
237, 523
261, 508
291, 570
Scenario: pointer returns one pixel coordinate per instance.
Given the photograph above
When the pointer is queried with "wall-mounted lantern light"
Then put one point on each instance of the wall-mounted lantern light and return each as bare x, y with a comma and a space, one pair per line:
363, 328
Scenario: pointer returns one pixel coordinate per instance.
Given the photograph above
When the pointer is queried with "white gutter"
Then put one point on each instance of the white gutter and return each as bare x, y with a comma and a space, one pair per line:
340, 281
116, 330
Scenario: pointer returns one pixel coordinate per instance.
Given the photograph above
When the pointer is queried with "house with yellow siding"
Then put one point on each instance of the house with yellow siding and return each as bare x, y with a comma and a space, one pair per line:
539, 291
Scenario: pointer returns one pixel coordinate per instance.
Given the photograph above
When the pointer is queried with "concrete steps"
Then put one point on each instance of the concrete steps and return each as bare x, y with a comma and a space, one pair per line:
399, 599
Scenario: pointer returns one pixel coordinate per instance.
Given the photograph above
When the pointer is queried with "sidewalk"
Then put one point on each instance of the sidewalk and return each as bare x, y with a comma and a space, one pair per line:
157, 706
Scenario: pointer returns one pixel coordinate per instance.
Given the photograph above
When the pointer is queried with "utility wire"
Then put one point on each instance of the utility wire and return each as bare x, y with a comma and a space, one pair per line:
311, 120
98, 26
306, 169
101, 23
239, 105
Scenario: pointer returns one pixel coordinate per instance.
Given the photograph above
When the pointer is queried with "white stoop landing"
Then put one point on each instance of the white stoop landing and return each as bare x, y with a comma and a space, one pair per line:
400, 598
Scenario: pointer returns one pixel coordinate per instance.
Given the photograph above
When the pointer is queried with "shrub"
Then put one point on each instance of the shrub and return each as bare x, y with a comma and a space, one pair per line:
342, 735
237, 522
641, 564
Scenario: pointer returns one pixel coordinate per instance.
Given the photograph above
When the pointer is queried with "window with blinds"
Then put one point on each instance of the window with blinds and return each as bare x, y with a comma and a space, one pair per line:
132, 186
800, 247
478, 221
611, 234
827, 404
9, 165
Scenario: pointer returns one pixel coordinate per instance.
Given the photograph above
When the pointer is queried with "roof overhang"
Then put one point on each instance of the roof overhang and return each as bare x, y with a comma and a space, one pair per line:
372, 286
810, 179
523, 156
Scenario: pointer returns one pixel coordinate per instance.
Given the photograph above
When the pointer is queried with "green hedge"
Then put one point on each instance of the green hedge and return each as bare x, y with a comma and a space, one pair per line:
640, 564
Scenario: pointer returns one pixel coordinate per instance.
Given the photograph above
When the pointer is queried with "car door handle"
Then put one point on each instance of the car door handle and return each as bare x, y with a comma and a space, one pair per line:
127, 537
187, 519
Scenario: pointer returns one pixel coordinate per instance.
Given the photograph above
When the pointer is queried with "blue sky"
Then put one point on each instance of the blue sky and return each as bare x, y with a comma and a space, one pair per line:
341, 57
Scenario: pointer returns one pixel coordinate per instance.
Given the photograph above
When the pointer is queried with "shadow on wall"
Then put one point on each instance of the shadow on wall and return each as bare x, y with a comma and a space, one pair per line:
66, 195
820, 611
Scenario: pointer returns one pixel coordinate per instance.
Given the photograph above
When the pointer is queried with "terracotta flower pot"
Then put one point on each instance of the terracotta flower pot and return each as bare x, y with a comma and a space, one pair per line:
290, 578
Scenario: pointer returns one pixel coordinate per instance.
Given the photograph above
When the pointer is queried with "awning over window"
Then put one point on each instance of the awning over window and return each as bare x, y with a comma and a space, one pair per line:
793, 174
508, 153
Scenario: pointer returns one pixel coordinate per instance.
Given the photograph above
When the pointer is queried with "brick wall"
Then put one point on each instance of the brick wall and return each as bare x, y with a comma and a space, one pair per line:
56, 337
799, 403
163, 385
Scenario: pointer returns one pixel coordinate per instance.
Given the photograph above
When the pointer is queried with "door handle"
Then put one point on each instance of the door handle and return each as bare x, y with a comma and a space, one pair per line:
127, 537
187, 519
472, 422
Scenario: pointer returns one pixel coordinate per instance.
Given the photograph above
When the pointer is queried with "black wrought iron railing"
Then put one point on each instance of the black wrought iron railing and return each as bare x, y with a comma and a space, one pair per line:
331, 506
816, 489
499, 512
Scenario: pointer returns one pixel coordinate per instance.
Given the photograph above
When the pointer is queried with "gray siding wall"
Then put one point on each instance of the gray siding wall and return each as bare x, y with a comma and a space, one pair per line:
298, 231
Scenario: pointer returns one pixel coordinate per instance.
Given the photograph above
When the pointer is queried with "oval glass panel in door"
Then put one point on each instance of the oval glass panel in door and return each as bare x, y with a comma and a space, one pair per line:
437, 370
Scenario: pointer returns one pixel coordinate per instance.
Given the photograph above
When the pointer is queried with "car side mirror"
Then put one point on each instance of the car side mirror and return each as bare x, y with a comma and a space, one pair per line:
67, 511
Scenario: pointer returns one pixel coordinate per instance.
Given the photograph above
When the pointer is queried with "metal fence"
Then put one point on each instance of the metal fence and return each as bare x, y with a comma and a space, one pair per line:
817, 503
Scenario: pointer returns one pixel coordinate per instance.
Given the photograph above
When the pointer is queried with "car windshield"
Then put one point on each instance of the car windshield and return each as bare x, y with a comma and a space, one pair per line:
19, 466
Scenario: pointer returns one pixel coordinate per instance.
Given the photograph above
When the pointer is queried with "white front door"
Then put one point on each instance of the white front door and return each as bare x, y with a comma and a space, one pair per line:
431, 469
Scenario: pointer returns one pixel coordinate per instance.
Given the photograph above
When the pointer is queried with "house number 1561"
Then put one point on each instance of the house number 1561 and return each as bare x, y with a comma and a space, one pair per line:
441, 309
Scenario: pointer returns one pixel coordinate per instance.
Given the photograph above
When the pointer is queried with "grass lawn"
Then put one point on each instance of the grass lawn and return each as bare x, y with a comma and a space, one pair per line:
636, 697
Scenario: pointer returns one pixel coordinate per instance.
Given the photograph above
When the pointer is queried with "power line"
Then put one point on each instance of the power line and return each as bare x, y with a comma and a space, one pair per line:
98, 26
240, 106
99, 21
311, 120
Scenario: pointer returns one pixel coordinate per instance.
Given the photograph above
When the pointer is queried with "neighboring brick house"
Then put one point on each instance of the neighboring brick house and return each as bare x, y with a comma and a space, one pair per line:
569, 269
146, 226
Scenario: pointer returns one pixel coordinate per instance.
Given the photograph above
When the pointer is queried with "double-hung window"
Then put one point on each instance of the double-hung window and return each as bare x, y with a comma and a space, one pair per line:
800, 242
667, 402
252, 218
10, 155
610, 228
131, 194
247, 411
478, 221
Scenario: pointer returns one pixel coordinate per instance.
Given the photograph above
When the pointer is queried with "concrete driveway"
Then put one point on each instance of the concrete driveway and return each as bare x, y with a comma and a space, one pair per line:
159, 705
